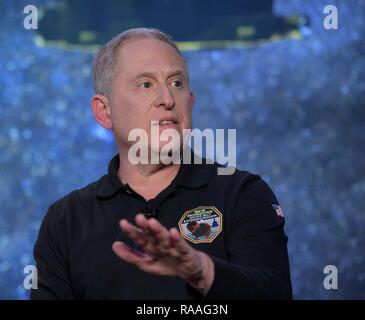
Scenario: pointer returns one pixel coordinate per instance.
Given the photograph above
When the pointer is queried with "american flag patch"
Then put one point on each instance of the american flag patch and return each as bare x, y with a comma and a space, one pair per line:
278, 210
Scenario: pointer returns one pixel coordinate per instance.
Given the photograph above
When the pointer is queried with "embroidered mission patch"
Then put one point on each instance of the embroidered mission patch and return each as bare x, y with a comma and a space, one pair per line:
201, 224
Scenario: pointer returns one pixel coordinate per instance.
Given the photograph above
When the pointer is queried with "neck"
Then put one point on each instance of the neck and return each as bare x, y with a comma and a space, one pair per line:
146, 179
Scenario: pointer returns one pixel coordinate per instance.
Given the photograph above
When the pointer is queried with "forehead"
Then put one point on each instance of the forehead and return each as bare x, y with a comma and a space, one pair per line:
138, 55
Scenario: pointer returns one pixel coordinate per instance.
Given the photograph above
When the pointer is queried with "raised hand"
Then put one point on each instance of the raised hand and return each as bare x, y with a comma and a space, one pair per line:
164, 252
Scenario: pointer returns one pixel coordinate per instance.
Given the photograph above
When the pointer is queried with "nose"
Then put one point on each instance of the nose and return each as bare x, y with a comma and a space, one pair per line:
165, 99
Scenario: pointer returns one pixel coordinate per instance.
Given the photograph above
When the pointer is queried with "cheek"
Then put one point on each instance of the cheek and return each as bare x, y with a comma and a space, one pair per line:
127, 117
121, 109
186, 111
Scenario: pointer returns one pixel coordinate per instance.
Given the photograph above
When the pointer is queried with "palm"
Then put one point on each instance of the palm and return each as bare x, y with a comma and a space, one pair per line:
163, 251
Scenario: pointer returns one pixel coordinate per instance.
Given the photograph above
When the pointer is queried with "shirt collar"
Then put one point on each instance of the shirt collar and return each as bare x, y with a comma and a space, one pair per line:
109, 184
190, 176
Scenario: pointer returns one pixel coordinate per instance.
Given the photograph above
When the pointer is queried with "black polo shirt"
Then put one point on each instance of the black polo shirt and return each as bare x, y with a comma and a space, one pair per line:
236, 219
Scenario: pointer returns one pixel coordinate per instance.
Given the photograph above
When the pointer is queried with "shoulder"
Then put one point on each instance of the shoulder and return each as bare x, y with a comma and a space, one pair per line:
243, 186
233, 178
78, 200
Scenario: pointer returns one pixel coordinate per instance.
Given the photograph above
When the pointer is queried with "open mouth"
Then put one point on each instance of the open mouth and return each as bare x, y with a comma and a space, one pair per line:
167, 122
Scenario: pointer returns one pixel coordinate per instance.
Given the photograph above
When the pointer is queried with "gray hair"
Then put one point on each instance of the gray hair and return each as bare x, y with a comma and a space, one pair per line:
104, 67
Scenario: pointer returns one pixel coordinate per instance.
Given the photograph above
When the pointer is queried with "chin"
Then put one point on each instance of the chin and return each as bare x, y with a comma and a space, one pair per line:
168, 152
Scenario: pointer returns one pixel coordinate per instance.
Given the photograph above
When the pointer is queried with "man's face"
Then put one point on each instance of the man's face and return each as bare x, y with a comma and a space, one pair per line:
152, 85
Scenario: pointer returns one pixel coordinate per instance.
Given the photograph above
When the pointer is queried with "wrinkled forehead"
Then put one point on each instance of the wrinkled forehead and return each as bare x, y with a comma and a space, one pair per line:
138, 55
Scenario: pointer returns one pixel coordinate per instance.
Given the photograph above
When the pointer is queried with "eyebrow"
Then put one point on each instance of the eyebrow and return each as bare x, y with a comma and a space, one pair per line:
149, 74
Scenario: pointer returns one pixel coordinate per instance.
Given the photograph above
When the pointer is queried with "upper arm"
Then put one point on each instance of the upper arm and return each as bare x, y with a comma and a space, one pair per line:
257, 237
51, 257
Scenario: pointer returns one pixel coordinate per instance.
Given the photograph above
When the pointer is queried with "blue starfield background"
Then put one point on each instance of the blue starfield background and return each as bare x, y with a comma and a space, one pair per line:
298, 105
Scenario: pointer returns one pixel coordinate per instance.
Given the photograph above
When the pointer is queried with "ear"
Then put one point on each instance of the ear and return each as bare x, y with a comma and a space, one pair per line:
100, 107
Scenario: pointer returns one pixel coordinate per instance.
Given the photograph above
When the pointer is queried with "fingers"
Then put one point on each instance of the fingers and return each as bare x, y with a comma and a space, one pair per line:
178, 243
165, 252
143, 223
151, 236
141, 260
136, 234
154, 232
154, 238
128, 254
160, 233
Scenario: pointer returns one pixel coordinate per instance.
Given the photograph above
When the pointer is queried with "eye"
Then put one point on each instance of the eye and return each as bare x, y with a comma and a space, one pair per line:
145, 84
177, 83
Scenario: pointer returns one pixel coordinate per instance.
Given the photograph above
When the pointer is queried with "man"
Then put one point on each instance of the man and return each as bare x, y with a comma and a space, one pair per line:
184, 232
